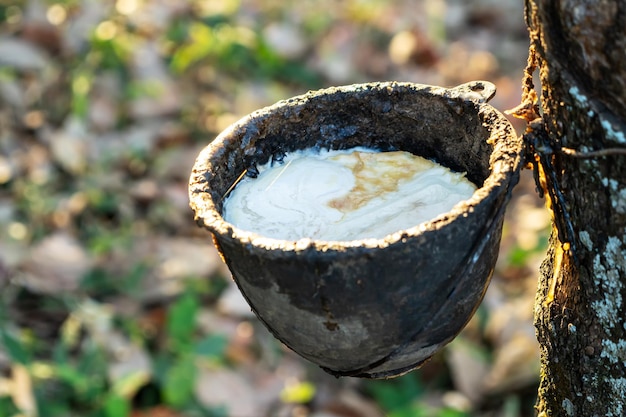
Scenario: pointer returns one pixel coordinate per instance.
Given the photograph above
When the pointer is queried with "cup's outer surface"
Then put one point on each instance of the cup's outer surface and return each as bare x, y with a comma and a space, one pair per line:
372, 307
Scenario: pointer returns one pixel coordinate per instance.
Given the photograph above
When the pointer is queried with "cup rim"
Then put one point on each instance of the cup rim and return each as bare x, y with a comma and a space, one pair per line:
502, 172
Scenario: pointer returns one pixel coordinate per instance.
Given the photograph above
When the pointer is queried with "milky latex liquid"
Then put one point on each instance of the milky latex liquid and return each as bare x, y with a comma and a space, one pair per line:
344, 195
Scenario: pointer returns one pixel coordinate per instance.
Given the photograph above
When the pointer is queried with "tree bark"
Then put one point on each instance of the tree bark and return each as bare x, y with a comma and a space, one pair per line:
580, 306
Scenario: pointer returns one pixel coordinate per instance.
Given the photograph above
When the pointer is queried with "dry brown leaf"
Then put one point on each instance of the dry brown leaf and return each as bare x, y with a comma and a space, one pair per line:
231, 302
55, 265
176, 163
130, 367
69, 146
22, 55
22, 391
161, 94
229, 389
348, 403
286, 39
468, 368
172, 260
84, 21
516, 365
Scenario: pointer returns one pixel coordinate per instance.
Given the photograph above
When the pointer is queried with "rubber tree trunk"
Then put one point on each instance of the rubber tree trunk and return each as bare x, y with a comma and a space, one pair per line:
580, 307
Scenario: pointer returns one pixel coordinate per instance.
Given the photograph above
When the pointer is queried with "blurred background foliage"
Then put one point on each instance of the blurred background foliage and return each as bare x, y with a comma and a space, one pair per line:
114, 304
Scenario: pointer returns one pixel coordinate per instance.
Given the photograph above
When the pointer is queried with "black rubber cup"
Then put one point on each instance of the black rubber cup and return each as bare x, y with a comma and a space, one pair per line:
372, 308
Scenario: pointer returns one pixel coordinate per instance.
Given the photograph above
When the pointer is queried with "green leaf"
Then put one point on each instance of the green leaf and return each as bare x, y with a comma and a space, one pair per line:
179, 382
200, 45
407, 411
116, 406
75, 379
212, 346
396, 395
181, 321
518, 257
7, 407
449, 412
48, 405
15, 349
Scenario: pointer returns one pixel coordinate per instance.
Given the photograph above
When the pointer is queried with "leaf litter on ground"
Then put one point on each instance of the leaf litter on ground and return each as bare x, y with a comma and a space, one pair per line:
99, 129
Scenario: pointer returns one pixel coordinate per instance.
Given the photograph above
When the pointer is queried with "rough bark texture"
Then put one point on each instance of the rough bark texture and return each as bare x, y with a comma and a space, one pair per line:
580, 308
